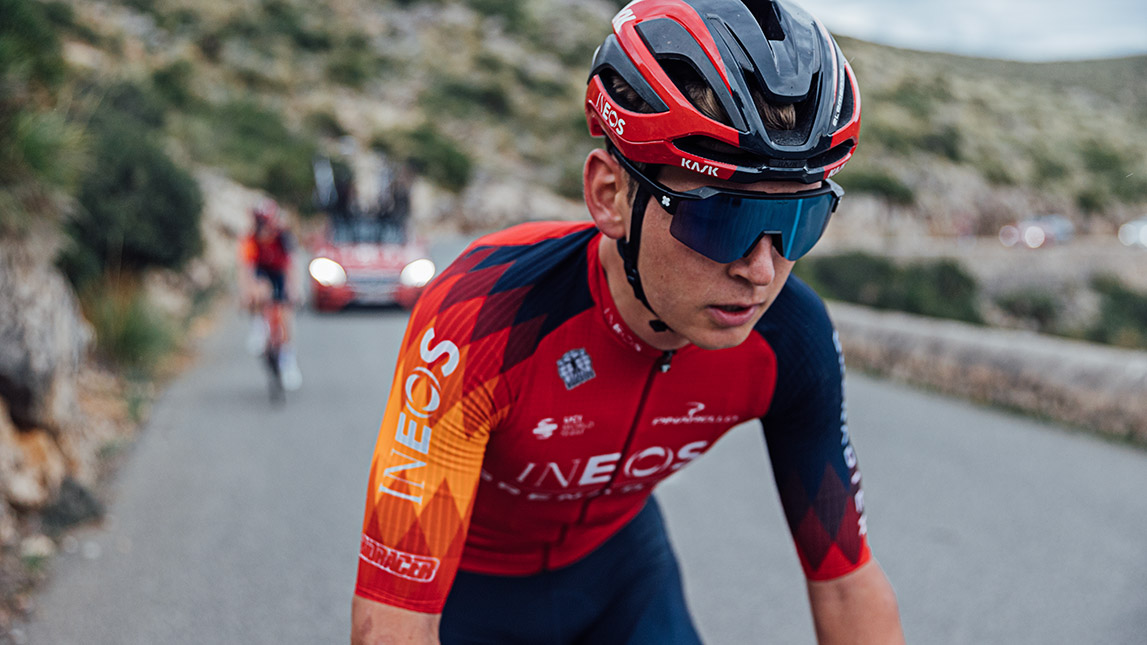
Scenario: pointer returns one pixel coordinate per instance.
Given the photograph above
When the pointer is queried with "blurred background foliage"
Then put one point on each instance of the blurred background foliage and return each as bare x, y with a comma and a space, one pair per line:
107, 110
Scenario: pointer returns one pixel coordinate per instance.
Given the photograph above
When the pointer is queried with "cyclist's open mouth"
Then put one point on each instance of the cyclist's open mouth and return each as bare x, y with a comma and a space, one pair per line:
732, 315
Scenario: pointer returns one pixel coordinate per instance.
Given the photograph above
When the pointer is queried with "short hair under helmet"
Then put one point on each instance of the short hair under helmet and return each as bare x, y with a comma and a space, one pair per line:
739, 49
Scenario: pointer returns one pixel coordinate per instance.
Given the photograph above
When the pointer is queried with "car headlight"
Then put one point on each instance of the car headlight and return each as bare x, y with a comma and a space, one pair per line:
417, 273
327, 272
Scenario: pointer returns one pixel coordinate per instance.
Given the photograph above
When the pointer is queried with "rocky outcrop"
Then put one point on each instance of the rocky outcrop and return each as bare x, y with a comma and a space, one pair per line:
43, 337
1097, 388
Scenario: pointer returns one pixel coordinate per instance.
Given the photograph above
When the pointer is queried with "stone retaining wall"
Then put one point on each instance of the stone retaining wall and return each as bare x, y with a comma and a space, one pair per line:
1095, 387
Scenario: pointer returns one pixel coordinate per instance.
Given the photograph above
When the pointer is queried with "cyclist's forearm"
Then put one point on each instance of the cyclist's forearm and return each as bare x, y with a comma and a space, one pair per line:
858, 608
373, 623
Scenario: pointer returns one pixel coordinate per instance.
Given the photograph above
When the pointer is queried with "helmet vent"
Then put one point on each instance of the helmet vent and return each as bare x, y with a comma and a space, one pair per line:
766, 14
622, 93
693, 87
835, 154
710, 148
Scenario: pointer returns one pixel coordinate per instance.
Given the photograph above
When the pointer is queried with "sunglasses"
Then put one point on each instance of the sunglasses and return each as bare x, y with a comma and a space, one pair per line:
724, 225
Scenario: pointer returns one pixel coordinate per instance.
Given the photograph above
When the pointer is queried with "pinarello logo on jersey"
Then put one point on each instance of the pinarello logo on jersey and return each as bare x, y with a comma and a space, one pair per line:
694, 415
419, 568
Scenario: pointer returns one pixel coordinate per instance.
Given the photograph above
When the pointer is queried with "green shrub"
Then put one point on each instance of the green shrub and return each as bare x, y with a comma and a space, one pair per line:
30, 52
464, 98
173, 83
352, 67
937, 288
513, 12
1039, 307
997, 173
138, 210
1122, 317
895, 139
129, 332
918, 96
326, 124
131, 105
1103, 160
429, 153
1093, 200
256, 148
879, 183
1047, 169
945, 142
49, 147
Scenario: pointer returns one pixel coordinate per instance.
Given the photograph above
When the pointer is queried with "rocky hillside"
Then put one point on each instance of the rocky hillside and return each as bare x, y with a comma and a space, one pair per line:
484, 97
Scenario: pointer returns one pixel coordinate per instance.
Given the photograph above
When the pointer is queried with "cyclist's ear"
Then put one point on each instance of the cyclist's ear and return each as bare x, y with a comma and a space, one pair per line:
606, 196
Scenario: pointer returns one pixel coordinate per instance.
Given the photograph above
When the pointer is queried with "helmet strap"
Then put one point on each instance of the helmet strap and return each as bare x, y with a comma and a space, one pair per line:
628, 250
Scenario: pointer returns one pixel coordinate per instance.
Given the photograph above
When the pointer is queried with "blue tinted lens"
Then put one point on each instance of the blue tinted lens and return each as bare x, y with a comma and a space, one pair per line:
725, 227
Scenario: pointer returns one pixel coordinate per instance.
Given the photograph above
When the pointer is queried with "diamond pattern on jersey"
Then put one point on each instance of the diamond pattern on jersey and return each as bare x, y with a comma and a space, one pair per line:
529, 289
823, 520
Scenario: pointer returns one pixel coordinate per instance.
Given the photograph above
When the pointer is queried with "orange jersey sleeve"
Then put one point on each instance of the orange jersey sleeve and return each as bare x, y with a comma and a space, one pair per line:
248, 251
428, 458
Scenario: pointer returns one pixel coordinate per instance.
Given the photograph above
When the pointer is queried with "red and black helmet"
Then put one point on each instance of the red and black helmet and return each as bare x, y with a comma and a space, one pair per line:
266, 212
737, 48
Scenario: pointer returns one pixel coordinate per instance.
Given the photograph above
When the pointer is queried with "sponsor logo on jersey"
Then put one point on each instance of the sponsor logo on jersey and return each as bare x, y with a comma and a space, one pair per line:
575, 368
421, 398
586, 478
572, 425
419, 568
619, 327
694, 415
545, 428
846, 444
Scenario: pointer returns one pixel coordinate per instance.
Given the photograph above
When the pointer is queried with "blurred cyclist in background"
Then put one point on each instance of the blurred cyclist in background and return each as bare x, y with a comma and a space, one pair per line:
557, 371
265, 275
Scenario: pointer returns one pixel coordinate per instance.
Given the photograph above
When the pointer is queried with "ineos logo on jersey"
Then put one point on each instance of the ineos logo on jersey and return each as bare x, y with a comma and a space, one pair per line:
569, 480
422, 395
694, 416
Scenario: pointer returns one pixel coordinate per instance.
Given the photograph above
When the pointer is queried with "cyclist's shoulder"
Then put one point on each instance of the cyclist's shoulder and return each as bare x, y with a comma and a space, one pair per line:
532, 233
798, 325
528, 265
521, 255
796, 307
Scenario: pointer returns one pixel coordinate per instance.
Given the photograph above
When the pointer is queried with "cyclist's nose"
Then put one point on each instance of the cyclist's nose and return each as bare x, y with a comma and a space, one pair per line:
759, 264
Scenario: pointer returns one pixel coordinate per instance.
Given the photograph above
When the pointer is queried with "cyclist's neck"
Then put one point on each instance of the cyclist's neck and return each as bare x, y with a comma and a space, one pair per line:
634, 314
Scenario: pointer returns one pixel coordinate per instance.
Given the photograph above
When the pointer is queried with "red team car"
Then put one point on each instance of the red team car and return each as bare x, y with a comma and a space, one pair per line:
367, 261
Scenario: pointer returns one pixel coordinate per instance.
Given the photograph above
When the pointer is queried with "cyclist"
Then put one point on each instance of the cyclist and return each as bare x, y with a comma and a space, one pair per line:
265, 273
556, 372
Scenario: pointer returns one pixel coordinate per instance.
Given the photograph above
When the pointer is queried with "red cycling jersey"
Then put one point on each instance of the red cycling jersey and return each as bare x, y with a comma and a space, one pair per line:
527, 424
272, 255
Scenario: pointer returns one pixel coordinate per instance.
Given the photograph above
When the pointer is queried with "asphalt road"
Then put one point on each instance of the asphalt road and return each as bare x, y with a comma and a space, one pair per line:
237, 522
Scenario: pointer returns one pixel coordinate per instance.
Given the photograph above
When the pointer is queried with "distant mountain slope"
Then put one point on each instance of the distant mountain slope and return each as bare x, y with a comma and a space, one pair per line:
484, 97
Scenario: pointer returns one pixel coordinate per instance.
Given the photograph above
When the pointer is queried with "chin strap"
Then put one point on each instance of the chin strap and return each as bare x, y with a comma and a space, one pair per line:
628, 250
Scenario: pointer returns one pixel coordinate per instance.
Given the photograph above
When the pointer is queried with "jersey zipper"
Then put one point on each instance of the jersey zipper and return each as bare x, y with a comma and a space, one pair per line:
659, 367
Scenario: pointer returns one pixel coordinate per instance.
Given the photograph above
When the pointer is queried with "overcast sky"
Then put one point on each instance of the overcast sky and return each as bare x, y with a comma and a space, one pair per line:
1032, 30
